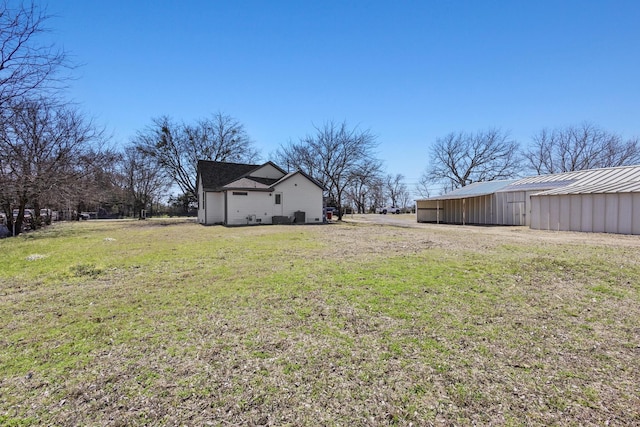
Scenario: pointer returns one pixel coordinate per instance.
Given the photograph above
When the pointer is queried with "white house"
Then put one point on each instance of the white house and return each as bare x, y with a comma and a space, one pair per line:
243, 194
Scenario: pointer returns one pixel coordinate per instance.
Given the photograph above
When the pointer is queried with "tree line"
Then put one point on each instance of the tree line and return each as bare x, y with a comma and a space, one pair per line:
51, 154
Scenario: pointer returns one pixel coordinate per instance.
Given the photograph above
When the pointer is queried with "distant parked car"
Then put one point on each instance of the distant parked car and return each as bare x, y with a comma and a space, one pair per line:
388, 209
84, 216
28, 214
27, 219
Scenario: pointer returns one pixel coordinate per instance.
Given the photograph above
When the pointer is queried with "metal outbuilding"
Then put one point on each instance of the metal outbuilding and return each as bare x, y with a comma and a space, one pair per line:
595, 200
475, 203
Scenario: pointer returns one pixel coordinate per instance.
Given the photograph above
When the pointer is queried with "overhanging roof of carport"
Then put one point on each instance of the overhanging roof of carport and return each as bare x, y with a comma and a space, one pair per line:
476, 189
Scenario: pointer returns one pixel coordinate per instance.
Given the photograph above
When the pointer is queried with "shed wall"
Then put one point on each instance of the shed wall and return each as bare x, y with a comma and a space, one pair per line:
599, 213
502, 208
428, 211
469, 210
512, 208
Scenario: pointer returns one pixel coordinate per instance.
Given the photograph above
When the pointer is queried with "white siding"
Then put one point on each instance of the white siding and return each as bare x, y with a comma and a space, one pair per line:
256, 207
259, 207
201, 197
300, 194
267, 171
214, 207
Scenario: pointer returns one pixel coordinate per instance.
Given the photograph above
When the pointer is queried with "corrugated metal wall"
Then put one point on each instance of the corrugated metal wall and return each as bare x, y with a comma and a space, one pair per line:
471, 210
599, 213
480, 210
511, 208
508, 208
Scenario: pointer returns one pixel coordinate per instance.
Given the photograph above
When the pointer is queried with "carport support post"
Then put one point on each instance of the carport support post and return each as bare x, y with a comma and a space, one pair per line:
463, 202
437, 211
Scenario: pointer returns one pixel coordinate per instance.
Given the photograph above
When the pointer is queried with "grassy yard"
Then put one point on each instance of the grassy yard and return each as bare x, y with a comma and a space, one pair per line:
171, 323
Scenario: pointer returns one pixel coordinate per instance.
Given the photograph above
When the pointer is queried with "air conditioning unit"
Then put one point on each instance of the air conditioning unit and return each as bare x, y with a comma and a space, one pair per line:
251, 219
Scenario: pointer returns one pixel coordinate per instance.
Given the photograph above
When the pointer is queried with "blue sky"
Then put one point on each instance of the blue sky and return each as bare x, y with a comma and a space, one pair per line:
409, 71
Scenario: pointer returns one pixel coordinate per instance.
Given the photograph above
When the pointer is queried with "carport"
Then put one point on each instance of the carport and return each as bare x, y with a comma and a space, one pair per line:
475, 203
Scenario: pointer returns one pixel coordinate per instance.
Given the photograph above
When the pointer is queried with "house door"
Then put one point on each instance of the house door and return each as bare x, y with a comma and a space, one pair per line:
278, 209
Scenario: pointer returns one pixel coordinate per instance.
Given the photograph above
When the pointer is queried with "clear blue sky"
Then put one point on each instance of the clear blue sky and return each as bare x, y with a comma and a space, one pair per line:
410, 71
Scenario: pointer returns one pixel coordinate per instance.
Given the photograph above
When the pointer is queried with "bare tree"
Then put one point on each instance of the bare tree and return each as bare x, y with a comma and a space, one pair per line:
364, 187
26, 64
334, 156
405, 200
94, 185
46, 151
144, 183
423, 187
176, 148
459, 159
396, 190
105, 188
579, 147
301, 156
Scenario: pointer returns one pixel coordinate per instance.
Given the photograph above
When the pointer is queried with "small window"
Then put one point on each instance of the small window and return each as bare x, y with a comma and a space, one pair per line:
278, 199
240, 193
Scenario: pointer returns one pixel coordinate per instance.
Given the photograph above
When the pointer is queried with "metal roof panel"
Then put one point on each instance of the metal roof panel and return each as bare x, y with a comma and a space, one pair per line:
475, 189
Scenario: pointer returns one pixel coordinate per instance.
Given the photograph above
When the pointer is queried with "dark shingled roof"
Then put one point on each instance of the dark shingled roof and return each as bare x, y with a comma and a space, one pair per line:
217, 174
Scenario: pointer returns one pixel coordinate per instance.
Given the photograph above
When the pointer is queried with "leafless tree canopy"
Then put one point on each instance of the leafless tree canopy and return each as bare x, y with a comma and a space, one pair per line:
25, 63
176, 148
459, 159
365, 190
46, 154
143, 183
423, 187
335, 156
579, 147
396, 190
